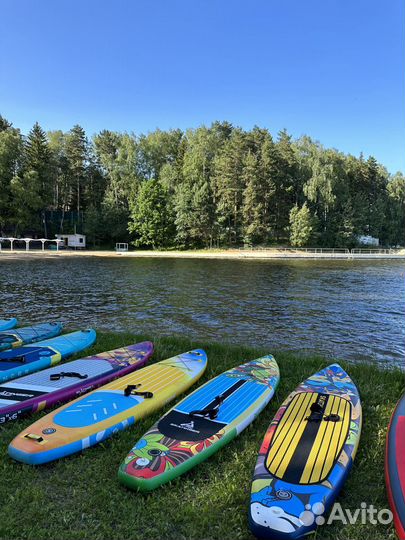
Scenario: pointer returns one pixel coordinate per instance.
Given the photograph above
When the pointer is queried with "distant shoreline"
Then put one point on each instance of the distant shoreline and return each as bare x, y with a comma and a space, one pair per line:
231, 254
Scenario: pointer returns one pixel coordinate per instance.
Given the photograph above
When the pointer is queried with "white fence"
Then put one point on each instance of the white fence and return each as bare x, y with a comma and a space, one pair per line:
365, 251
376, 251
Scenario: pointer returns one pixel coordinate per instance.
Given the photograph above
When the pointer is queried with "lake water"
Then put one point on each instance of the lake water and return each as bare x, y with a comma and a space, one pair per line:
341, 309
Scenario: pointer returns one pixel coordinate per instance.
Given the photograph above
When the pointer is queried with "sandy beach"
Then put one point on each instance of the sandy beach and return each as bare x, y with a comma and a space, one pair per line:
260, 254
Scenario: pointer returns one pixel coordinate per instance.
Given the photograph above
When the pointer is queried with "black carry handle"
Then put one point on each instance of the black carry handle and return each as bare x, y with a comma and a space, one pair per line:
212, 411
57, 376
20, 358
332, 418
130, 390
317, 415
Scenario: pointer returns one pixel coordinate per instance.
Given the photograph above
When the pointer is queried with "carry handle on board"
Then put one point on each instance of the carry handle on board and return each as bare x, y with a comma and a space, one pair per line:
212, 411
57, 376
22, 357
131, 390
317, 415
33, 437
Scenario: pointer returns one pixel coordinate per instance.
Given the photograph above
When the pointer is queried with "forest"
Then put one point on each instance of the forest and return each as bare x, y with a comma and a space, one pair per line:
217, 186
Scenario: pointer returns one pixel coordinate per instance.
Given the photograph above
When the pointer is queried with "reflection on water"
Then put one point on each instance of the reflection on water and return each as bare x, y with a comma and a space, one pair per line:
344, 309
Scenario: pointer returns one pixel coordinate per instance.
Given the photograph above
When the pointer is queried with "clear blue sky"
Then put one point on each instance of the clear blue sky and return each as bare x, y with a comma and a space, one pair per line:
333, 69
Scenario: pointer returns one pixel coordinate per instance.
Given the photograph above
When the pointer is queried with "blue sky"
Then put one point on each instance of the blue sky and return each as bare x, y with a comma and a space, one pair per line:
333, 69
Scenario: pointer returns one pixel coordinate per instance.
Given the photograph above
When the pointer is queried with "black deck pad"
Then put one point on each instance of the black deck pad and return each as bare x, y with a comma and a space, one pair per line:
183, 427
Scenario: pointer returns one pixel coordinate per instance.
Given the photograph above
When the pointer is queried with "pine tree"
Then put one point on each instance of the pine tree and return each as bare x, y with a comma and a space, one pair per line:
269, 164
228, 186
4, 124
77, 153
254, 224
287, 188
37, 169
193, 199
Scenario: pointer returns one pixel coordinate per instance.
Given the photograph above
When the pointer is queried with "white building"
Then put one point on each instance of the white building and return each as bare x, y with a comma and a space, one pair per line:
368, 240
72, 240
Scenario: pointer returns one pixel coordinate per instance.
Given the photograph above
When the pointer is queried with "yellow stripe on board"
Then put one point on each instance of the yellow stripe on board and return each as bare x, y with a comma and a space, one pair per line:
290, 413
282, 429
288, 433
345, 427
319, 452
328, 442
339, 409
145, 376
295, 438
325, 442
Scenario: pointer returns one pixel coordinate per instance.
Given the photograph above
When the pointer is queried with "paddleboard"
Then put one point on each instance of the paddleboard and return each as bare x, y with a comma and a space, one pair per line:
62, 383
200, 424
30, 334
6, 324
395, 466
96, 416
29, 358
306, 455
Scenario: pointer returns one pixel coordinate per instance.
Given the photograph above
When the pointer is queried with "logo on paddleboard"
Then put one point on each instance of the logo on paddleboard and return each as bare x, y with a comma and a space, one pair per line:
48, 431
188, 426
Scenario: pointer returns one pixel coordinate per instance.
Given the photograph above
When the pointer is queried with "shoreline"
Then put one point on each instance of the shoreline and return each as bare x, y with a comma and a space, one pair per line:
231, 254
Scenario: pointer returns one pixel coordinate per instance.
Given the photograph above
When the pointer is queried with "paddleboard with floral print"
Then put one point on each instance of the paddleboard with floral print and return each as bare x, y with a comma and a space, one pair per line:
200, 424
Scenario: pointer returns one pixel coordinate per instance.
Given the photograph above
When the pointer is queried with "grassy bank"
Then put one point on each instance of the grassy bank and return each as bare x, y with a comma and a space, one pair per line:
79, 497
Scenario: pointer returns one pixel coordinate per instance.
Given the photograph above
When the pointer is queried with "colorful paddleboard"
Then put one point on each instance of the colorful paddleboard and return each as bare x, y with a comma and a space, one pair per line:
306, 455
6, 324
11, 339
395, 466
96, 416
29, 358
59, 384
200, 424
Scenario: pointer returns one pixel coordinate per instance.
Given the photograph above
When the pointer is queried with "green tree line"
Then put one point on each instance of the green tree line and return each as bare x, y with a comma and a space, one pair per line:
205, 187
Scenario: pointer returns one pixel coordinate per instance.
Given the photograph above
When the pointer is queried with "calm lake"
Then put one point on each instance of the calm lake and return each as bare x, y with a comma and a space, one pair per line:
341, 309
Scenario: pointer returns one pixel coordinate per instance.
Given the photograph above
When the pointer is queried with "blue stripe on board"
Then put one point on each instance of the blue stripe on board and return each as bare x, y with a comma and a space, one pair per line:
203, 396
233, 406
238, 402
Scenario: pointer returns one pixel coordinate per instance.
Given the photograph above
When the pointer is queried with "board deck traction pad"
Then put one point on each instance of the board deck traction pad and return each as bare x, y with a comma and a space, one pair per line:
16, 337
29, 358
98, 415
184, 436
395, 466
306, 454
302, 451
38, 391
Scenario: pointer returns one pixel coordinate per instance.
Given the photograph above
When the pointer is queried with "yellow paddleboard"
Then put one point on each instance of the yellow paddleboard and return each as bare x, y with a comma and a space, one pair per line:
88, 420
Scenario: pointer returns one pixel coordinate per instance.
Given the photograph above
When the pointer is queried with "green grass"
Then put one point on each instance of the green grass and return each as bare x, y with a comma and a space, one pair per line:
80, 497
